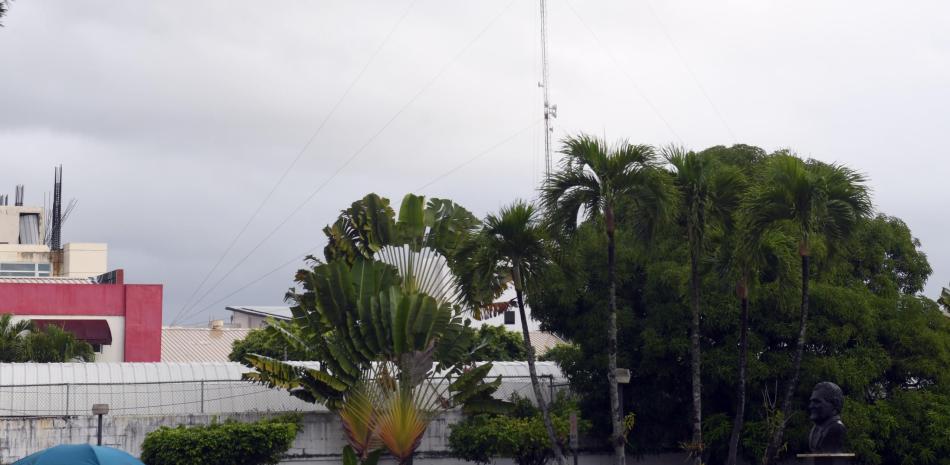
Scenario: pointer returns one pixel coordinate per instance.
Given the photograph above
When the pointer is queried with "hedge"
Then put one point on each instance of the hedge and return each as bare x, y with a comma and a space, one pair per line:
229, 443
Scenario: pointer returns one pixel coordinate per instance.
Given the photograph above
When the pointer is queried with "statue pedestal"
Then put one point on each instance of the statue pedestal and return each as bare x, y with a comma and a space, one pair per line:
825, 459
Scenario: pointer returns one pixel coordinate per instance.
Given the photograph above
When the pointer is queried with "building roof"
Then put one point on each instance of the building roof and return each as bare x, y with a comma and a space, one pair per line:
543, 342
47, 280
191, 345
276, 312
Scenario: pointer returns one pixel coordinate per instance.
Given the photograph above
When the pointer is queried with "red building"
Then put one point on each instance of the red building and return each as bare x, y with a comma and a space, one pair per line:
122, 321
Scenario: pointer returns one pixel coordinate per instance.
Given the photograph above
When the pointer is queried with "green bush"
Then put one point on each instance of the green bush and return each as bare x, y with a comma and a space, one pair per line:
520, 435
229, 443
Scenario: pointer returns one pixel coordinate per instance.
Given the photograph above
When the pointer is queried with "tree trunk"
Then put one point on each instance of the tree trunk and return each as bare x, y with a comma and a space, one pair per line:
772, 451
696, 356
615, 414
535, 384
740, 392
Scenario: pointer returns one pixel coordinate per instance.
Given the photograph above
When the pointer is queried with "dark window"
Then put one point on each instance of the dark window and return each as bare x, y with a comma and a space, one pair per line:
43, 267
509, 317
18, 266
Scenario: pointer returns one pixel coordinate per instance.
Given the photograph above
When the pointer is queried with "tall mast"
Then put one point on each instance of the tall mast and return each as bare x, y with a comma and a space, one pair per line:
550, 111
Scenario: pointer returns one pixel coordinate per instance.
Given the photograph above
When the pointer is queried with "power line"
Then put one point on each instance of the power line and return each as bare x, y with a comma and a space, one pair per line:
353, 156
630, 78
689, 69
480, 154
296, 258
300, 154
437, 179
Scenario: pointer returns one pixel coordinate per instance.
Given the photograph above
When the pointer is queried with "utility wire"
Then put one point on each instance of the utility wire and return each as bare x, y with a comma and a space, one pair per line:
689, 69
633, 82
437, 179
360, 150
296, 258
481, 154
300, 154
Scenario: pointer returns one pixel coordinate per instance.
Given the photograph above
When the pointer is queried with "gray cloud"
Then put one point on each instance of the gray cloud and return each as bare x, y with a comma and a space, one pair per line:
174, 119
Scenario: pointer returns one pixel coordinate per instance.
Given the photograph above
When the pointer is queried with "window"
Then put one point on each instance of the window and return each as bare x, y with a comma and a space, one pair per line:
24, 270
97, 348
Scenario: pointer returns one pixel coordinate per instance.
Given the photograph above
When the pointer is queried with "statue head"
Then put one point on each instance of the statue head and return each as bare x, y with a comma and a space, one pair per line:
826, 401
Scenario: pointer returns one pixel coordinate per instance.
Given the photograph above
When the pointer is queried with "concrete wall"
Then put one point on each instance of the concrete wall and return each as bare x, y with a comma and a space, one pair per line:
15, 253
320, 442
139, 304
10, 222
84, 260
244, 320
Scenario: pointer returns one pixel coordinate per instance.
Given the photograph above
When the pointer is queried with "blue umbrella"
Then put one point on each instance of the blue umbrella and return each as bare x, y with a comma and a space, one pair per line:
79, 454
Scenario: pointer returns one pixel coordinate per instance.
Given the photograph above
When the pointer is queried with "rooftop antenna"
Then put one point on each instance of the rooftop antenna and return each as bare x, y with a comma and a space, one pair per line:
550, 111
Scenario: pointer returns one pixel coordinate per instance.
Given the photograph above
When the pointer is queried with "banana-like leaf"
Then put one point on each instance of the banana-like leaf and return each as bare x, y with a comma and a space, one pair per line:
402, 423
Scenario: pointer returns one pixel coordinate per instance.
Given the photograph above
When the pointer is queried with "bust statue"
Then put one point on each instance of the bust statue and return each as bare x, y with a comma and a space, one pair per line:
824, 409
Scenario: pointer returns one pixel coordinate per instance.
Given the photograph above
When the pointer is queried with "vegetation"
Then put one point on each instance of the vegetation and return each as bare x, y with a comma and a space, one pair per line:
21, 342
383, 316
268, 341
868, 329
232, 443
520, 435
596, 179
512, 247
495, 343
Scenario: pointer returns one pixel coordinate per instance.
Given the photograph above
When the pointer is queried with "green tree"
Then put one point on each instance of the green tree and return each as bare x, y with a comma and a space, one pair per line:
13, 338
819, 200
496, 343
268, 341
56, 345
707, 192
595, 178
513, 244
381, 316
945, 299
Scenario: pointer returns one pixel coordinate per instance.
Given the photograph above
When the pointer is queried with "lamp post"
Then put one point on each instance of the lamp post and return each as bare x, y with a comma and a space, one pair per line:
623, 377
100, 410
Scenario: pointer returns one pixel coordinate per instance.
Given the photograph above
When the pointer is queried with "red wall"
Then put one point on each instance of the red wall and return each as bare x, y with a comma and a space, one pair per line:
140, 304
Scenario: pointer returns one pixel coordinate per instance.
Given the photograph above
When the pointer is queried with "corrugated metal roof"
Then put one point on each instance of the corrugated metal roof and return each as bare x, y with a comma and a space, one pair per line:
543, 342
48, 280
199, 344
277, 312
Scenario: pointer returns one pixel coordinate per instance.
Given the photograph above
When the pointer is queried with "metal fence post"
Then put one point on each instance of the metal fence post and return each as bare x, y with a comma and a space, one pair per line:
67, 400
551, 388
202, 397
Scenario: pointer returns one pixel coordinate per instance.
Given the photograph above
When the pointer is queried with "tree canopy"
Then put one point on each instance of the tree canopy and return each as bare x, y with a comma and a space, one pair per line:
870, 331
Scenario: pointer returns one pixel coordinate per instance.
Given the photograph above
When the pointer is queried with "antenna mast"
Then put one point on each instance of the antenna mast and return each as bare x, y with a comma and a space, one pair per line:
550, 111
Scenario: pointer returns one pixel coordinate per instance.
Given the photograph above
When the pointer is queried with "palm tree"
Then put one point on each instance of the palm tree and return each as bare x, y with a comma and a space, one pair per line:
512, 245
944, 299
706, 192
817, 199
593, 179
12, 337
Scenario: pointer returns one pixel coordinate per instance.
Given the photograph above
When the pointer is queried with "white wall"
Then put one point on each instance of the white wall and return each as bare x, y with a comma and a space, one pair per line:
110, 353
84, 260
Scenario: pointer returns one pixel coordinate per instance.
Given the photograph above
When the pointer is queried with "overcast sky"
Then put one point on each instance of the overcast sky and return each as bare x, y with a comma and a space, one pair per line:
173, 120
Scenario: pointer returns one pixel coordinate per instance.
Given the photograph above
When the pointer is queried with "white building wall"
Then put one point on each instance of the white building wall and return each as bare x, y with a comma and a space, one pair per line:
84, 260
114, 352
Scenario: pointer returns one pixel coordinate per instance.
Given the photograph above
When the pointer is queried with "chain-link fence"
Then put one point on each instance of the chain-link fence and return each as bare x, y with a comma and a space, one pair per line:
186, 397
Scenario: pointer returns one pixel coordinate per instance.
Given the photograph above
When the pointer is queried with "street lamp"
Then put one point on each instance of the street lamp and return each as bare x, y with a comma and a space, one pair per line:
100, 410
623, 377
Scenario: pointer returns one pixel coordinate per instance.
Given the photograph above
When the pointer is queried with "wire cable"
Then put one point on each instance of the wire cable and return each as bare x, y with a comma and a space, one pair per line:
480, 154
360, 150
689, 69
623, 71
300, 154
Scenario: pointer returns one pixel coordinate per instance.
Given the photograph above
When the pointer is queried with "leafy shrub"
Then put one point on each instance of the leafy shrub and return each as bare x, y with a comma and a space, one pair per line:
520, 435
229, 443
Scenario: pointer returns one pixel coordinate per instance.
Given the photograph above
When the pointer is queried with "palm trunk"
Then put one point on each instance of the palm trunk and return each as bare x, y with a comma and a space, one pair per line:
535, 384
696, 356
778, 436
615, 414
740, 393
